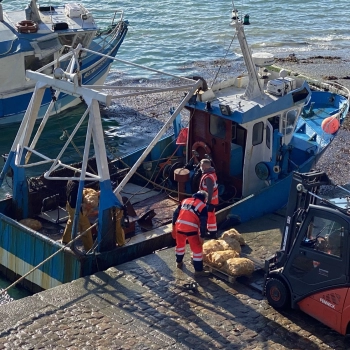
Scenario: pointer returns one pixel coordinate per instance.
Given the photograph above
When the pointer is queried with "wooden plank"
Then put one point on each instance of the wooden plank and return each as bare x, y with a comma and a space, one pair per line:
220, 274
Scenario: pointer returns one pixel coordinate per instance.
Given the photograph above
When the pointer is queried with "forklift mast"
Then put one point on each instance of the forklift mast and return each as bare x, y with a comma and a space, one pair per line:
304, 191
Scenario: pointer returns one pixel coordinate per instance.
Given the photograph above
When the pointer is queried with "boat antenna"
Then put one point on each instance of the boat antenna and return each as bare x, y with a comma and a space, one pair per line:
254, 88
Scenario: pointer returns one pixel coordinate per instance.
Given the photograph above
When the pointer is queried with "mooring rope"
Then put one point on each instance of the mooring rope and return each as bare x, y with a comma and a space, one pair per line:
47, 259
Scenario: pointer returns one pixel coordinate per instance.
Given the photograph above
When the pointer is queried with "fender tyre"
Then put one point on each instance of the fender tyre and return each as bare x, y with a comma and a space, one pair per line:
277, 294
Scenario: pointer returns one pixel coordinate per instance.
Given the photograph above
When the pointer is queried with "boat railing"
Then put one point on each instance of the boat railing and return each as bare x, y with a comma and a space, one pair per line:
116, 12
331, 86
109, 35
112, 31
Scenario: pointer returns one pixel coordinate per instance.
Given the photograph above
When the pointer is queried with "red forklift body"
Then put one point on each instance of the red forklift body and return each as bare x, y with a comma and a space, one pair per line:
311, 270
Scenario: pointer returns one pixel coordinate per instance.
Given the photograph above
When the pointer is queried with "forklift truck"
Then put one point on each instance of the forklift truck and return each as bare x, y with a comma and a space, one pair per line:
310, 272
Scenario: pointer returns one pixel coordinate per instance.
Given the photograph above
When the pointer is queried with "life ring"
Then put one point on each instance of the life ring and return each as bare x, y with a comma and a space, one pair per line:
196, 146
27, 27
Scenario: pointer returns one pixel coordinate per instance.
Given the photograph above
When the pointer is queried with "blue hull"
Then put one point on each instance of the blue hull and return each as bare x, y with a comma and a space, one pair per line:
266, 201
22, 249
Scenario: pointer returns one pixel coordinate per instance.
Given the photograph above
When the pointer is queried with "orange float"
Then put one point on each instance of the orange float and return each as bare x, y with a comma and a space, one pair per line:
330, 125
200, 144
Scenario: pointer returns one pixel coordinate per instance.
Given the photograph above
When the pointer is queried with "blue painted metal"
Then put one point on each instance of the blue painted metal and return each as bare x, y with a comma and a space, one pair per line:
32, 248
256, 112
108, 200
268, 200
236, 160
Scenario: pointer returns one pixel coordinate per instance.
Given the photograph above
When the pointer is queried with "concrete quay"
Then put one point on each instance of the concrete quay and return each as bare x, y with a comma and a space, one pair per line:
142, 305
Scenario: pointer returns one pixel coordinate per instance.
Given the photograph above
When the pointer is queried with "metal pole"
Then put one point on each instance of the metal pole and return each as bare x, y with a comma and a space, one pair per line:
156, 139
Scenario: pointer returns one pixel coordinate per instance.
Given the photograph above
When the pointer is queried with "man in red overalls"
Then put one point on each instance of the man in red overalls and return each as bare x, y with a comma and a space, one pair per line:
190, 221
209, 183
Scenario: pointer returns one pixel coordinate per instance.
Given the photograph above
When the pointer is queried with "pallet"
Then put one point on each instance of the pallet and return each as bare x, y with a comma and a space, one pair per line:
220, 274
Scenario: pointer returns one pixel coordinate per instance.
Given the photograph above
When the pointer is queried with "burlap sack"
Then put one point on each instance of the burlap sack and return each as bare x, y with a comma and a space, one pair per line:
213, 246
232, 243
31, 223
90, 201
218, 259
234, 234
239, 266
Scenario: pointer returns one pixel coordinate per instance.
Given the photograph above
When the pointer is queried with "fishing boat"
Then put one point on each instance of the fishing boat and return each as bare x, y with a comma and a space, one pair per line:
35, 36
256, 128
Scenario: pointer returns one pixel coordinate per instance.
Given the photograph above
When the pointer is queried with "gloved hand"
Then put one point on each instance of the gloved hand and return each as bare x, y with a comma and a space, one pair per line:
210, 207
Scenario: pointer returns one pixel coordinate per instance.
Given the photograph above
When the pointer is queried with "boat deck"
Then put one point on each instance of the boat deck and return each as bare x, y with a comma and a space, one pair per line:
148, 210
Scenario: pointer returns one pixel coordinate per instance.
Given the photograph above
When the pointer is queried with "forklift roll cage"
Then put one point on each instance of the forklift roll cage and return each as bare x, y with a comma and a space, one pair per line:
311, 271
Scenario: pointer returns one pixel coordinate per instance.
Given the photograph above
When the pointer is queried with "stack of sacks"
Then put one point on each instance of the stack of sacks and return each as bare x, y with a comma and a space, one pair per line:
224, 254
90, 201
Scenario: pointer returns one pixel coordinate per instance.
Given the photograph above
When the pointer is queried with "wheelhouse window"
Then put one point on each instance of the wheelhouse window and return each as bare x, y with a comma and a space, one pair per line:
75, 39
289, 121
34, 63
258, 132
217, 126
268, 138
66, 39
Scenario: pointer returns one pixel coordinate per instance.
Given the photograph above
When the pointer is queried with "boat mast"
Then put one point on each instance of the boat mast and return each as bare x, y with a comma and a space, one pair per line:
253, 89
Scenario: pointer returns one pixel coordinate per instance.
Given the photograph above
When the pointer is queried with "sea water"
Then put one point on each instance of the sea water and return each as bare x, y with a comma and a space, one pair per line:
176, 36
170, 35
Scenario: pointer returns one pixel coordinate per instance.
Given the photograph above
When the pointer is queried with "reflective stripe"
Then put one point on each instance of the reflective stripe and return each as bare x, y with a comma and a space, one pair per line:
197, 259
188, 218
187, 223
198, 255
201, 204
215, 184
189, 207
203, 186
180, 249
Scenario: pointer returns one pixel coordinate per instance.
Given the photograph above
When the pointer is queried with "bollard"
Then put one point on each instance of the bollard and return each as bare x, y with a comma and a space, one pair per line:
181, 176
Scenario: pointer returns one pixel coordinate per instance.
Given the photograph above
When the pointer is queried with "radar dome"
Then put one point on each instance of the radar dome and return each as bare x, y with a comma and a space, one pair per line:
263, 59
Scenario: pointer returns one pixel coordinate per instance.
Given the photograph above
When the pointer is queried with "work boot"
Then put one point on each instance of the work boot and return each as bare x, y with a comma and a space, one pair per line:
202, 273
179, 265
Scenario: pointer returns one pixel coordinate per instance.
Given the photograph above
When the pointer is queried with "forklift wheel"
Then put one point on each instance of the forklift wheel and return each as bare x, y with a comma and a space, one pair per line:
277, 294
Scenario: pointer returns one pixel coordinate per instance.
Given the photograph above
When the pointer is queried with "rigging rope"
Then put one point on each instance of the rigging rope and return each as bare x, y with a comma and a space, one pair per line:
47, 259
218, 71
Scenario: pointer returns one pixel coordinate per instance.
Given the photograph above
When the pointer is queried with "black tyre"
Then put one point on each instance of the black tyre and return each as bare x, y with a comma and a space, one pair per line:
277, 294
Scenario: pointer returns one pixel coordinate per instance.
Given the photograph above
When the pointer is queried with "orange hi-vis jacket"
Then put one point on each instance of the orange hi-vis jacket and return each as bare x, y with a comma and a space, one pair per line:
203, 186
188, 219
